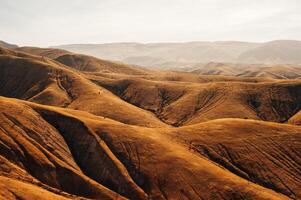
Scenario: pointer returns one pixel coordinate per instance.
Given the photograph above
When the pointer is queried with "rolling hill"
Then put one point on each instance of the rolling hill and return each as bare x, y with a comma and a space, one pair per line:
147, 102
51, 83
77, 127
178, 103
121, 155
83, 62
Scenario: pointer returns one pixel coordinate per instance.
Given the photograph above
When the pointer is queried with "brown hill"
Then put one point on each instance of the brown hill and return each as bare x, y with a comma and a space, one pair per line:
171, 100
72, 134
54, 84
34, 152
83, 62
188, 162
179, 103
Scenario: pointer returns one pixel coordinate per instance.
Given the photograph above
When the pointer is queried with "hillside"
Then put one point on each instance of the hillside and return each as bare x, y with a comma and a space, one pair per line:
83, 62
68, 132
148, 102
122, 157
54, 84
179, 103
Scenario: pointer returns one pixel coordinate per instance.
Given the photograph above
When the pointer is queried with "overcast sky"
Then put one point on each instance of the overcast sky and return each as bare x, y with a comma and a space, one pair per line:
45, 23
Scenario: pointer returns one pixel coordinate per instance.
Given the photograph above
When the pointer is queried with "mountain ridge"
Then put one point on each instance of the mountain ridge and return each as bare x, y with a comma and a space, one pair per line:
194, 52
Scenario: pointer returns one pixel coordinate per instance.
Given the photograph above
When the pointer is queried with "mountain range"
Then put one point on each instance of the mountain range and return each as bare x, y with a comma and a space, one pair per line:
184, 55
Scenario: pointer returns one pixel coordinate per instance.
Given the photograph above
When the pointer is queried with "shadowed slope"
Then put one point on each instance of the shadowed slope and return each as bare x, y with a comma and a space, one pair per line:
33, 151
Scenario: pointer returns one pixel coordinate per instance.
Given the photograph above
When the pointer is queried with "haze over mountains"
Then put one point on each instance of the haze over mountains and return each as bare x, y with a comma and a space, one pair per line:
7, 45
183, 55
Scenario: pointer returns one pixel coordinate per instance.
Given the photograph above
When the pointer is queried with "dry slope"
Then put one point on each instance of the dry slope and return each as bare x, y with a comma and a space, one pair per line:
204, 161
77, 135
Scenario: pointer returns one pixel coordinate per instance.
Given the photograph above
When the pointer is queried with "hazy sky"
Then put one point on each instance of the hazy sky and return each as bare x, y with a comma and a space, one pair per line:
45, 22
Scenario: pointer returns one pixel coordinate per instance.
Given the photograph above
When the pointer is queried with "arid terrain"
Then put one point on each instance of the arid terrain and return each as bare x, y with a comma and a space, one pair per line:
74, 126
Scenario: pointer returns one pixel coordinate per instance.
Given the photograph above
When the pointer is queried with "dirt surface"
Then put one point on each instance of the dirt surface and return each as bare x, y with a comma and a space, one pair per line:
67, 132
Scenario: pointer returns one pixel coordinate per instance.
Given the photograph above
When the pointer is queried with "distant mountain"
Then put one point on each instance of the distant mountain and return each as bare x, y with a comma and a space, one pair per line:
160, 55
7, 45
276, 52
279, 71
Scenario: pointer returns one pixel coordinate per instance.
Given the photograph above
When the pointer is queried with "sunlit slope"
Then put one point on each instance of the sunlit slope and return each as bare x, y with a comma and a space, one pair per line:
80, 142
180, 103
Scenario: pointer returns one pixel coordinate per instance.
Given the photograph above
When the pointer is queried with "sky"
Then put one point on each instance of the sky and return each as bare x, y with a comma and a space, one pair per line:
46, 23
